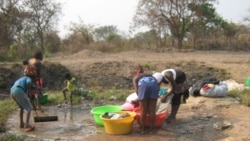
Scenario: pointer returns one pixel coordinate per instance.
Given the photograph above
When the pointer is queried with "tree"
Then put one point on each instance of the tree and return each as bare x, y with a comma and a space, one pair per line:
81, 35
11, 18
172, 14
43, 17
52, 42
84, 31
103, 32
205, 22
145, 39
247, 18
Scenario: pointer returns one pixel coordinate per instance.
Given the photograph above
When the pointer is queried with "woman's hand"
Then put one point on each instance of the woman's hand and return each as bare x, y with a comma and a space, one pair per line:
164, 98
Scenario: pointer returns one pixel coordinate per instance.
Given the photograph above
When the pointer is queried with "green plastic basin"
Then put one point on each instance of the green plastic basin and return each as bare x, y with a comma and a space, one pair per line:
248, 81
43, 99
97, 111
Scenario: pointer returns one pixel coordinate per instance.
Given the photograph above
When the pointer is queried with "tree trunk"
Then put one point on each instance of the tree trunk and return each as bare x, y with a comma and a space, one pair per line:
179, 43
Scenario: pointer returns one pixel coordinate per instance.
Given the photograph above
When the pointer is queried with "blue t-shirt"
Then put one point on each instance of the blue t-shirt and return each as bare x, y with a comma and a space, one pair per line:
21, 85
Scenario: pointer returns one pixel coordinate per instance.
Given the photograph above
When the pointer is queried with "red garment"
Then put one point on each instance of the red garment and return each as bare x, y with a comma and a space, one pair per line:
136, 72
39, 82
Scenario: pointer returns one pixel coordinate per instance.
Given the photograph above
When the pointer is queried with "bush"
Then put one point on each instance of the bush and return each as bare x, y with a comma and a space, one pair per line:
244, 95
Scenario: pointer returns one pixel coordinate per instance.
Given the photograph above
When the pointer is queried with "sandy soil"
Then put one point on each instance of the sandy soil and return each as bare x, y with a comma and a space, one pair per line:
195, 120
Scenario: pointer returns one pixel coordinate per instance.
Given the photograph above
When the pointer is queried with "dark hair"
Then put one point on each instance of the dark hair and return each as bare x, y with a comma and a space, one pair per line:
67, 75
39, 55
140, 68
25, 62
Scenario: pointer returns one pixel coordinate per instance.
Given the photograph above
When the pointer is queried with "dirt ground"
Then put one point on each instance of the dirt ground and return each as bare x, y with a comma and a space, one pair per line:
195, 120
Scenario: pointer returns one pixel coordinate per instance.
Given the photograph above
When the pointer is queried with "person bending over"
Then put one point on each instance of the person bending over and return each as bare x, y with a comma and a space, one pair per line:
19, 92
179, 87
147, 88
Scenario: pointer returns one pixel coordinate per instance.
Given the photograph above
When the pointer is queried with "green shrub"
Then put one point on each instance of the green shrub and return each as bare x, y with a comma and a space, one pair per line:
244, 95
12, 137
7, 106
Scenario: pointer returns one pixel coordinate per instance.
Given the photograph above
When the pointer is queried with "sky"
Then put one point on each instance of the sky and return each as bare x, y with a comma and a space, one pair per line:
121, 12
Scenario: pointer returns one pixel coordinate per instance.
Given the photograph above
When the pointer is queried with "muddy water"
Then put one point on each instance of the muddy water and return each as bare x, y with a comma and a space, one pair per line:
195, 121
74, 123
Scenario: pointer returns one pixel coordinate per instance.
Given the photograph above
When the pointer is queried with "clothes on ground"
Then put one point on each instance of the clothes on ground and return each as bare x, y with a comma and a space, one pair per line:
195, 89
214, 90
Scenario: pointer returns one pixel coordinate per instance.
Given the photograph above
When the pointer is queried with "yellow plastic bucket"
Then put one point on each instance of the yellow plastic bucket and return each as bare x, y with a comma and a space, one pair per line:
119, 126
97, 111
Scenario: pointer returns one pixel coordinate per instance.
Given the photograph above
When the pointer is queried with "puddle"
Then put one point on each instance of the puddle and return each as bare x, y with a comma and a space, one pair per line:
74, 123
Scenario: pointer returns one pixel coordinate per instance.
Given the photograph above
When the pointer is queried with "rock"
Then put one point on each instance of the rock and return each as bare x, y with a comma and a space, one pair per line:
112, 98
221, 125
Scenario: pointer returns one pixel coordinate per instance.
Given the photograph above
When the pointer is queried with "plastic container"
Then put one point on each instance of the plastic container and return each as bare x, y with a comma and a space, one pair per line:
97, 111
128, 107
248, 81
163, 91
43, 99
119, 126
159, 118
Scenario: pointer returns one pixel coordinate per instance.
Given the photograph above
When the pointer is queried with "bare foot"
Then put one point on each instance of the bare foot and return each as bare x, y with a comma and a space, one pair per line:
169, 119
29, 128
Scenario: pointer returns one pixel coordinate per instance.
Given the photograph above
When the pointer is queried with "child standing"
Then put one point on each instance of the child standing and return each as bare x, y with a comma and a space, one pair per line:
70, 87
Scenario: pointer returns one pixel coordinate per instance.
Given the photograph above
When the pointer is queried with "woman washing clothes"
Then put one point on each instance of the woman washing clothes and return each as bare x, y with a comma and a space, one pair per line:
179, 87
147, 88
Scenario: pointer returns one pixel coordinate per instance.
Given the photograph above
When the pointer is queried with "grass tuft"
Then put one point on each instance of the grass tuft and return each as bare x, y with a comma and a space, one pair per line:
7, 106
244, 95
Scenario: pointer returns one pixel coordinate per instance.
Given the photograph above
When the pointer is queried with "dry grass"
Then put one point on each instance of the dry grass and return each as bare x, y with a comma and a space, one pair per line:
236, 63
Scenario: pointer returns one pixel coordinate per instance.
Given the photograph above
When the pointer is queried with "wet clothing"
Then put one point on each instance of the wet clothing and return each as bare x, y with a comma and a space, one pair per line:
181, 83
148, 87
19, 92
